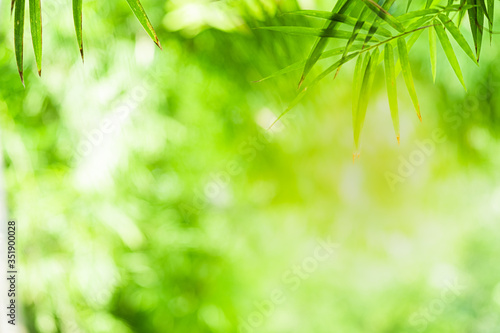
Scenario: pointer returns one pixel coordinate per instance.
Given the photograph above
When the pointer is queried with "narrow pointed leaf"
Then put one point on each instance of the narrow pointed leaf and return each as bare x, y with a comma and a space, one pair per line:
457, 35
300, 64
340, 8
77, 19
364, 94
19, 35
411, 41
482, 5
36, 31
384, 15
476, 25
491, 11
390, 79
139, 12
461, 14
317, 79
12, 3
375, 26
308, 31
432, 49
340, 18
405, 67
448, 50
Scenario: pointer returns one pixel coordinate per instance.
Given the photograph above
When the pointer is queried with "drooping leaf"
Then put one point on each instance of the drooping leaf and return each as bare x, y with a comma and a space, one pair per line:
491, 11
407, 75
448, 50
476, 25
461, 14
364, 93
19, 35
36, 31
432, 50
340, 8
77, 19
411, 41
384, 15
144, 20
457, 35
390, 79
308, 31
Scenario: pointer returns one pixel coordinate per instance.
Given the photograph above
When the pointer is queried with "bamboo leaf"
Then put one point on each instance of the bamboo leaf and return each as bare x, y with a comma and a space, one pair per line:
448, 50
308, 31
491, 11
476, 25
77, 19
340, 8
390, 79
320, 77
299, 64
384, 15
405, 67
12, 3
375, 26
432, 49
364, 94
461, 14
139, 12
340, 18
36, 31
457, 35
19, 35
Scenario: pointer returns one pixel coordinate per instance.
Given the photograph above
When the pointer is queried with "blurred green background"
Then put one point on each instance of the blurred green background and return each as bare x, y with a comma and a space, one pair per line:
151, 197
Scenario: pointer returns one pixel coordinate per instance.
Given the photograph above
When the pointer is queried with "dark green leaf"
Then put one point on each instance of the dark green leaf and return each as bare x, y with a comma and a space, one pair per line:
19, 35
384, 15
144, 20
36, 31
77, 19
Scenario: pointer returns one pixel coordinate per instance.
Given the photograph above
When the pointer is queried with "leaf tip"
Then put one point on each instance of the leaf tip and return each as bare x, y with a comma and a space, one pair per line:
397, 137
21, 75
40, 72
301, 81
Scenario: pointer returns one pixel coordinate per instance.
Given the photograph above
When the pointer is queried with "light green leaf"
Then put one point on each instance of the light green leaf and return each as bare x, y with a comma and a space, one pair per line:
405, 66
19, 35
371, 62
448, 50
384, 15
432, 49
144, 20
390, 79
320, 77
77, 19
457, 35
375, 26
299, 64
36, 31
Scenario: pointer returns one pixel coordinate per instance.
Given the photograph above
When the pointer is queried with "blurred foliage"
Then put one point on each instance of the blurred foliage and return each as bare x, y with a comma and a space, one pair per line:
152, 198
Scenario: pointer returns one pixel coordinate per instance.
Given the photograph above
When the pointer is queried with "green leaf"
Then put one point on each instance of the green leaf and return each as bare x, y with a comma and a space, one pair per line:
340, 18
320, 77
308, 31
405, 66
77, 19
390, 79
144, 20
384, 15
461, 14
12, 3
299, 64
418, 14
476, 25
375, 26
491, 11
457, 35
448, 50
371, 62
340, 8
432, 49
19, 35
36, 31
